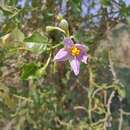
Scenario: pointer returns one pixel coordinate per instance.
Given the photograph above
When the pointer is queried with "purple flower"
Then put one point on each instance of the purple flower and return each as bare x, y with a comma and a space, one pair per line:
75, 53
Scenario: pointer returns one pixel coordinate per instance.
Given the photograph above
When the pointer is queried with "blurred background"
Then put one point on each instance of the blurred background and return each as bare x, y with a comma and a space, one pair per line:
38, 94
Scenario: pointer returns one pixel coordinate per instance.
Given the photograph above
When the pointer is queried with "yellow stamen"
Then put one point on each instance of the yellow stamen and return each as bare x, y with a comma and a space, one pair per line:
75, 51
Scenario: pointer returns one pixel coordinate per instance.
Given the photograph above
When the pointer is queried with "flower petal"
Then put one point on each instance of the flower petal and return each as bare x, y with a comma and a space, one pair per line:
82, 47
62, 55
68, 42
85, 58
75, 65
83, 55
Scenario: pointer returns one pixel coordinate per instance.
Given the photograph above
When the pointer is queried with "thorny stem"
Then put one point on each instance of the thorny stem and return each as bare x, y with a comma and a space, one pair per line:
22, 98
79, 108
126, 113
90, 105
100, 89
120, 120
122, 113
108, 114
46, 64
108, 110
112, 67
53, 47
90, 91
111, 96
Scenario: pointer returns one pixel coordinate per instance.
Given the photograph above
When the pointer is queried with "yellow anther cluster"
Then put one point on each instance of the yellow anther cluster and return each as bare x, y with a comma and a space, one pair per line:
75, 51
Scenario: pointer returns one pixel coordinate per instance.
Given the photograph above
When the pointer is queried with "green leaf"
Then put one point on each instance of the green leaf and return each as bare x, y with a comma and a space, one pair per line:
28, 71
125, 10
122, 92
105, 2
120, 88
36, 43
75, 7
7, 9
37, 38
18, 35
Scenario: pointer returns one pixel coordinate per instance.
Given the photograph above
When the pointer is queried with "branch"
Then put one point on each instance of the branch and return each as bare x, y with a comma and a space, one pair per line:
120, 120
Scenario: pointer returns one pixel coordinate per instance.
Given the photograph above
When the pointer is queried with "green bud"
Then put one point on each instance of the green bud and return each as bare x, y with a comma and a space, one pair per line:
64, 24
49, 28
52, 28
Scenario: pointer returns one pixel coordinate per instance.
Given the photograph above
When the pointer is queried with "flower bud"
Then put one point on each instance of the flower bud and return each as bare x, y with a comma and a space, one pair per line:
49, 28
64, 24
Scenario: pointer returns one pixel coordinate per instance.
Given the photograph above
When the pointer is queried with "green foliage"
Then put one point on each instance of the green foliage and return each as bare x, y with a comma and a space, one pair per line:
105, 2
28, 71
36, 43
17, 35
